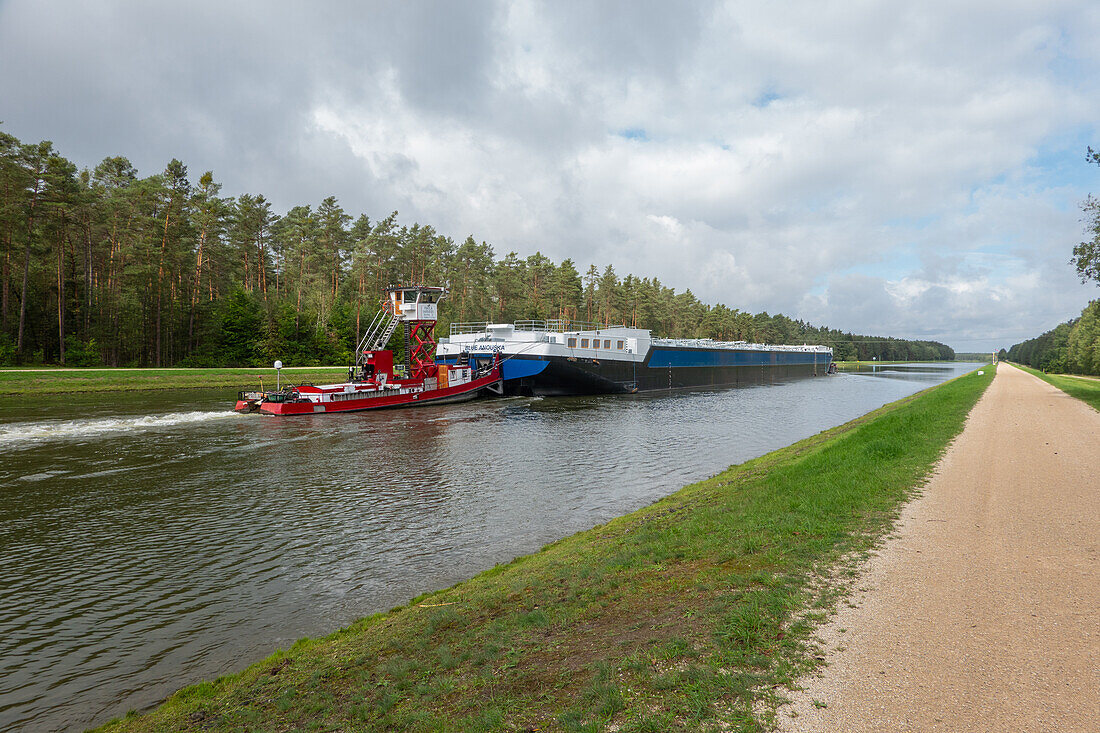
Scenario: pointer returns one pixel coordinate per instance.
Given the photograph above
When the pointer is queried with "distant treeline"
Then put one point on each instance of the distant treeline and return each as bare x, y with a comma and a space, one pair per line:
1072, 347
105, 267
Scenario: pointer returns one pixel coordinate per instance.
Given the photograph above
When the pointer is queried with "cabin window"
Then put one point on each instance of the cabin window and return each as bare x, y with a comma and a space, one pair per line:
607, 343
618, 344
584, 343
572, 343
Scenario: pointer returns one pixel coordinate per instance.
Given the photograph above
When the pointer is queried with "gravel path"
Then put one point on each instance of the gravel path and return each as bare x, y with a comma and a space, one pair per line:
982, 611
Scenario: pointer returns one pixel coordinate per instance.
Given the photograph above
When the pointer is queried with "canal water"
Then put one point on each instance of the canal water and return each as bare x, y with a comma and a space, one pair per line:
150, 541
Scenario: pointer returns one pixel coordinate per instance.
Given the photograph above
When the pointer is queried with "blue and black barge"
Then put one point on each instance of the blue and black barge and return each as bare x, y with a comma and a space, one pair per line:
562, 358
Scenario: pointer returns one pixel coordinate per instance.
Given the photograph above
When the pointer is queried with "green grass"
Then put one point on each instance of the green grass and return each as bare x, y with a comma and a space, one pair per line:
61, 381
1084, 389
691, 614
853, 364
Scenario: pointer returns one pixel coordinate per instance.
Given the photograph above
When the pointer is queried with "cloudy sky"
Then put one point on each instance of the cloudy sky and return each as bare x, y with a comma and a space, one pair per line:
911, 169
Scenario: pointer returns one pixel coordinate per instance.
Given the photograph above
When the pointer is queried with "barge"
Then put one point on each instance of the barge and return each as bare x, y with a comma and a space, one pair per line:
562, 358
376, 382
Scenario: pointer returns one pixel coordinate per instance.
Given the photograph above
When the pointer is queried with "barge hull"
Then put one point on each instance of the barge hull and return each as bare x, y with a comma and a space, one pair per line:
662, 370
552, 358
593, 376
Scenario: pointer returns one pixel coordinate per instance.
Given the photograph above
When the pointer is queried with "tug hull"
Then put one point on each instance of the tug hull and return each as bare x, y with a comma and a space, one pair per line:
403, 396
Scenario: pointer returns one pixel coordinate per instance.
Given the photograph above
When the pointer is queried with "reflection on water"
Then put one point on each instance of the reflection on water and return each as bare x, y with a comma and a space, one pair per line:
153, 540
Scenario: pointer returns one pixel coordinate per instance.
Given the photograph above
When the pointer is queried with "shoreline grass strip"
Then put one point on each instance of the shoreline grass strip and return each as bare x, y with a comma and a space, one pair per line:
693, 613
74, 381
1085, 389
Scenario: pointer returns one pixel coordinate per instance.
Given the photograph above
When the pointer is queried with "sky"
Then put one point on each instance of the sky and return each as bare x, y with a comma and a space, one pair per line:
914, 170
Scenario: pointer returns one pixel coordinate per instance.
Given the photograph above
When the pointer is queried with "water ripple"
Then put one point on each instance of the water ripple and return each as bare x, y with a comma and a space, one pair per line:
49, 430
142, 552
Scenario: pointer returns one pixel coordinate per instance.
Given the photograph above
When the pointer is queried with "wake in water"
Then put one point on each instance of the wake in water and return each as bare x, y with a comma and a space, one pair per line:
48, 430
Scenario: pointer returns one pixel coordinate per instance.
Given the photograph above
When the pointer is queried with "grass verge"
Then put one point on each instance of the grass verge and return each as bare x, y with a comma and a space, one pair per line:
691, 614
63, 381
1084, 389
857, 365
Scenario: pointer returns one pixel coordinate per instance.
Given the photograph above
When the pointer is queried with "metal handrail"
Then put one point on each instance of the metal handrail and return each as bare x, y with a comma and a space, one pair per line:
471, 327
378, 333
553, 325
371, 329
535, 325
741, 345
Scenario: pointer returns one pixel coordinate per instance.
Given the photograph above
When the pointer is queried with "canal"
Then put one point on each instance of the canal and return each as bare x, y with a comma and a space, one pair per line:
148, 541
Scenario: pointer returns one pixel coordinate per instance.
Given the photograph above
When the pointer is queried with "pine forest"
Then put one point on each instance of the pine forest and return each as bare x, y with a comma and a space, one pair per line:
105, 267
1073, 346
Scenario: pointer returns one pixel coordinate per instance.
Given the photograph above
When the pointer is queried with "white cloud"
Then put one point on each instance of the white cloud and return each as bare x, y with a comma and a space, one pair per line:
875, 167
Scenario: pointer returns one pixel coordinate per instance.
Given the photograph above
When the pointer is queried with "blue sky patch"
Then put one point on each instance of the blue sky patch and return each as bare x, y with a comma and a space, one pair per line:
765, 98
634, 133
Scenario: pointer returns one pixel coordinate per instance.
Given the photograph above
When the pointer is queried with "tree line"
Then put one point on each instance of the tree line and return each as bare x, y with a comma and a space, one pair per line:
104, 266
1073, 346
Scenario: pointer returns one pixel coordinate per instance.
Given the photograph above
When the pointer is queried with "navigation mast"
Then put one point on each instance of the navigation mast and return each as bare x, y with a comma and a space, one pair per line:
416, 306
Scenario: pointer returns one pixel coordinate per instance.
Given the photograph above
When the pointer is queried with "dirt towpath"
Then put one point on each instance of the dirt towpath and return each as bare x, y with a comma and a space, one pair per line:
982, 611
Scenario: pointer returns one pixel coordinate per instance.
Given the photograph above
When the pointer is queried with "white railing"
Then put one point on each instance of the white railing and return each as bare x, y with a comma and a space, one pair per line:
378, 333
458, 329
547, 326
738, 345
579, 327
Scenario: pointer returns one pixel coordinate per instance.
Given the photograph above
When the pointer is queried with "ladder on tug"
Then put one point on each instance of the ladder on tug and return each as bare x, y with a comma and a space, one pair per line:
378, 332
415, 306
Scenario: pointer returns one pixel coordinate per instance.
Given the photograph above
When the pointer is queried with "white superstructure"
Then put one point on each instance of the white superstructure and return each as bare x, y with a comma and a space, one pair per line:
560, 338
545, 339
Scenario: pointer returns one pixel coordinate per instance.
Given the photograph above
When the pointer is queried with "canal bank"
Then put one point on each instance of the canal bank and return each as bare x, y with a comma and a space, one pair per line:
690, 610
981, 611
96, 380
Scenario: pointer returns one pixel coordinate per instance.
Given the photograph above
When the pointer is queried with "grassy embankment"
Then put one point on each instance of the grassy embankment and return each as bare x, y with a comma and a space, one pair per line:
694, 610
860, 364
67, 381
1085, 389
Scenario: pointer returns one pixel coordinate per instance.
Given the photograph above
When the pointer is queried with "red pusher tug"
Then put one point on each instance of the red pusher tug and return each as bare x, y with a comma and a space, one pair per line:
376, 382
